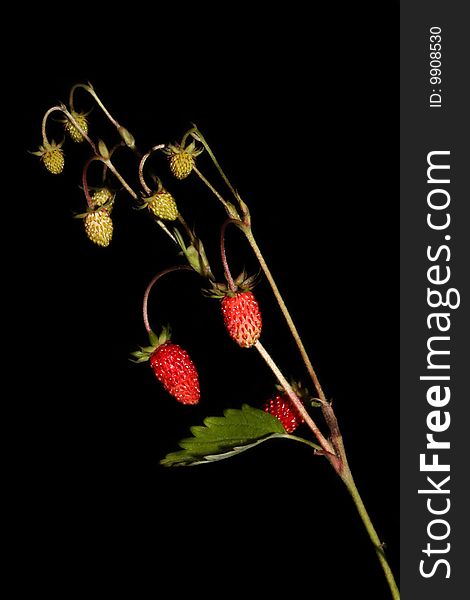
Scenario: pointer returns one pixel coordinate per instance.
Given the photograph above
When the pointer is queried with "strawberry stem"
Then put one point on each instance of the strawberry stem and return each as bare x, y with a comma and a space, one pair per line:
197, 135
84, 179
295, 334
88, 88
141, 167
348, 480
324, 443
45, 141
150, 286
228, 274
228, 207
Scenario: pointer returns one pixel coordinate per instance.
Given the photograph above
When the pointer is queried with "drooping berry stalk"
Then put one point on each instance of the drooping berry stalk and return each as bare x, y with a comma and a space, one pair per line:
150, 286
228, 274
107, 162
142, 162
170, 363
123, 132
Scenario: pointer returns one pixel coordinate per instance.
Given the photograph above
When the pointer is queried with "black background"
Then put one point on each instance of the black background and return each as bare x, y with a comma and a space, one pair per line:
301, 114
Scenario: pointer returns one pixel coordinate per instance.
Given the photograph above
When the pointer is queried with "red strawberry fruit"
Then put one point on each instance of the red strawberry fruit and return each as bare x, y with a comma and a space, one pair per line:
282, 408
176, 371
242, 318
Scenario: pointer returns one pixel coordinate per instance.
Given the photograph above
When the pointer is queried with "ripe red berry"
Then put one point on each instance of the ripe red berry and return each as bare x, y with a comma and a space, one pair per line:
282, 408
176, 371
242, 318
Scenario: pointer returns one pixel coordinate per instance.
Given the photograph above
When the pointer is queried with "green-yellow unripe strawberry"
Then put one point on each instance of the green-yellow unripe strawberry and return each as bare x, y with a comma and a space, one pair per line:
99, 227
72, 130
52, 157
163, 206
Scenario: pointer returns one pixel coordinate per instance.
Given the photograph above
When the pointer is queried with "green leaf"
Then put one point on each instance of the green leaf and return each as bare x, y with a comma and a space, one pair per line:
223, 437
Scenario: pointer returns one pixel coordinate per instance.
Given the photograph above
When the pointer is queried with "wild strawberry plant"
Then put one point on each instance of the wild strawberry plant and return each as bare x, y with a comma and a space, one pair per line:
237, 429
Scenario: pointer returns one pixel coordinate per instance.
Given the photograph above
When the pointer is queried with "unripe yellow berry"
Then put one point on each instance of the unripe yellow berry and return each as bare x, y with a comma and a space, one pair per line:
70, 128
181, 164
101, 197
163, 206
99, 227
52, 157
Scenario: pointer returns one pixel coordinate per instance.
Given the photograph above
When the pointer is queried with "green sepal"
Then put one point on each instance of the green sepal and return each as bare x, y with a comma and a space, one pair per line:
165, 335
196, 257
139, 356
191, 146
153, 338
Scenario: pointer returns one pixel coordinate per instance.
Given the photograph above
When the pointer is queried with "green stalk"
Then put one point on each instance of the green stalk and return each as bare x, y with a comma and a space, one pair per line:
348, 481
290, 323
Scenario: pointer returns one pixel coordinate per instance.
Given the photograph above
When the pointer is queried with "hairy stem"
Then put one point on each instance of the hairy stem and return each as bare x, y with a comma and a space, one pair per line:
150, 286
91, 91
228, 207
141, 167
85, 179
44, 122
199, 137
285, 312
228, 274
378, 546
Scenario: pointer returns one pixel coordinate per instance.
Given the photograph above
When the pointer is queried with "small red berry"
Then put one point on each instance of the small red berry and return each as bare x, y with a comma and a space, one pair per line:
282, 408
242, 318
176, 371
